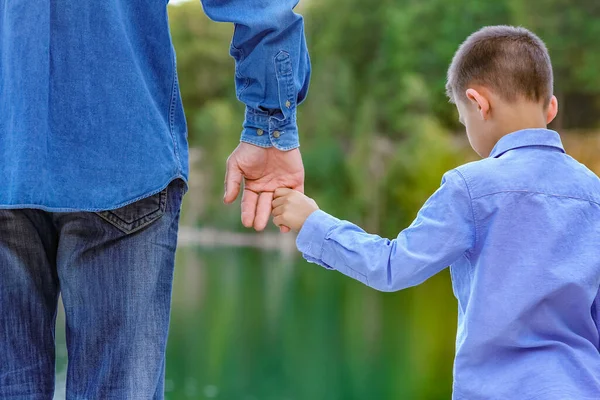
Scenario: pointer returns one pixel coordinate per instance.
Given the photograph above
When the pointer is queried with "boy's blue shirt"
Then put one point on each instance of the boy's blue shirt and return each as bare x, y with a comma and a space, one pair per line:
520, 231
91, 116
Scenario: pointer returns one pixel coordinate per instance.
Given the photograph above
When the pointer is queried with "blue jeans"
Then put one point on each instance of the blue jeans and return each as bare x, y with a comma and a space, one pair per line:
114, 270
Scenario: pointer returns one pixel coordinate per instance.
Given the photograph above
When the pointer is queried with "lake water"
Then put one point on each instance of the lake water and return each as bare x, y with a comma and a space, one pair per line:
250, 324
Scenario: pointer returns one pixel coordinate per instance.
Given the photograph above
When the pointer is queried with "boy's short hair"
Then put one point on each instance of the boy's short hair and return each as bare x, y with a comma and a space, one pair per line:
512, 61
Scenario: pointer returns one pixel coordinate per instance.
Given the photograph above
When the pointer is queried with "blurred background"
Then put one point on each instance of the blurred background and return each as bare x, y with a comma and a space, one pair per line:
253, 321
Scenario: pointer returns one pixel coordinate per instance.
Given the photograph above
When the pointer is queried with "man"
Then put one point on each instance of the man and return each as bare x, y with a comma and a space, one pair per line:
93, 169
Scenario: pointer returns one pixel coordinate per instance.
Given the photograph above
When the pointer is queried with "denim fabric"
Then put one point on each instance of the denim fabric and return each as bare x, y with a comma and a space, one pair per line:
91, 116
114, 270
521, 233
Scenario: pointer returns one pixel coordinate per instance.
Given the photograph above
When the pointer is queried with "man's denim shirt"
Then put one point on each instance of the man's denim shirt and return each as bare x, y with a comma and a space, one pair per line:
521, 233
91, 116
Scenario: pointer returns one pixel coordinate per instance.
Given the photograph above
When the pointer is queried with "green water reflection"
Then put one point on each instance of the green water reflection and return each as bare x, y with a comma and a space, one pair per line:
253, 325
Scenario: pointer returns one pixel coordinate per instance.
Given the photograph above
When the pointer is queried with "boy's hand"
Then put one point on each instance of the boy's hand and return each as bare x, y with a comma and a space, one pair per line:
291, 208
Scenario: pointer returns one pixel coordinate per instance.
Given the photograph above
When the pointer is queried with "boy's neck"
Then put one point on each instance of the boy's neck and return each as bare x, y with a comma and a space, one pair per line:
516, 117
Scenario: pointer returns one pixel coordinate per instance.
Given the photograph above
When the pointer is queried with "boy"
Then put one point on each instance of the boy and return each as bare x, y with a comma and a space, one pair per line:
520, 230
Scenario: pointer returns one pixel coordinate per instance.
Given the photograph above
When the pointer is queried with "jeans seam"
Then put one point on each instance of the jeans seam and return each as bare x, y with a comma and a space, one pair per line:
161, 206
140, 223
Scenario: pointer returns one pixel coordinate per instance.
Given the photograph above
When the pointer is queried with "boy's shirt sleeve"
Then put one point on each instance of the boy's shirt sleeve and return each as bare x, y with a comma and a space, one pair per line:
272, 66
442, 232
596, 314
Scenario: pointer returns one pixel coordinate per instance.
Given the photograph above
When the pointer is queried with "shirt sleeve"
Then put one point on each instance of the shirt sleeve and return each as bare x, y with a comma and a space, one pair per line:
272, 70
442, 232
596, 315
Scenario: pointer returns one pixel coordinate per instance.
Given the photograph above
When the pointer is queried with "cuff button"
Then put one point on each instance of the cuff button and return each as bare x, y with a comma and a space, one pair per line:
276, 134
260, 132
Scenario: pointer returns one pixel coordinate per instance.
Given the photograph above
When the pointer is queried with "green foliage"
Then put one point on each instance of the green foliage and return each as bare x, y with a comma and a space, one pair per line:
204, 66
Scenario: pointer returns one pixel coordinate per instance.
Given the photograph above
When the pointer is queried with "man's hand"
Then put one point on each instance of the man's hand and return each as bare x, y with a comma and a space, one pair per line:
263, 171
291, 208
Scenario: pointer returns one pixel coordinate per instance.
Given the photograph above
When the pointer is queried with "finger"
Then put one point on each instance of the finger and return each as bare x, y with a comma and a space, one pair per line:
278, 221
263, 210
300, 188
233, 180
282, 228
249, 201
282, 192
277, 211
278, 202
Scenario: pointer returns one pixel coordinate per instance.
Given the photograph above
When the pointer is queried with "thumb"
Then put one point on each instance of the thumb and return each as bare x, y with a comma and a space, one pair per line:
233, 180
280, 192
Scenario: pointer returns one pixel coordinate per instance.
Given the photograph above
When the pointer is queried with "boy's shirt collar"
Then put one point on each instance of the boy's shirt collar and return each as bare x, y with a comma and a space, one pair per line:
526, 138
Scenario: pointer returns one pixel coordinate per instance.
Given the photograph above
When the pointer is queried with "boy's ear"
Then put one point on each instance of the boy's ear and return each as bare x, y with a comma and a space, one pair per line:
481, 102
552, 110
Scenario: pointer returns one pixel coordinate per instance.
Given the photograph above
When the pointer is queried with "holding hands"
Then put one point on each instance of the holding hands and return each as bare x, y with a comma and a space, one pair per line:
291, 208
262, 170
267, 174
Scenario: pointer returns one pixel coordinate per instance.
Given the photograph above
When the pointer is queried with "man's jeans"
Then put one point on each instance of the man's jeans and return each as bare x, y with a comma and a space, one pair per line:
114, 270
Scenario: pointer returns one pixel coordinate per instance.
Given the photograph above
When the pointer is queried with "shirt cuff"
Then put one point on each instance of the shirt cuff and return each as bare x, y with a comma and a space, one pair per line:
270, 129
312, 236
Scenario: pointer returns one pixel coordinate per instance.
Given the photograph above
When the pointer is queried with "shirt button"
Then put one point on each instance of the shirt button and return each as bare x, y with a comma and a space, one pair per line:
288, 104
259, 132
276, 134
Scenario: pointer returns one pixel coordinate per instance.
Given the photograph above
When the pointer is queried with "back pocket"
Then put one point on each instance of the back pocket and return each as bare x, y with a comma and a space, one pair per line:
137, 215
